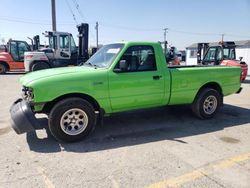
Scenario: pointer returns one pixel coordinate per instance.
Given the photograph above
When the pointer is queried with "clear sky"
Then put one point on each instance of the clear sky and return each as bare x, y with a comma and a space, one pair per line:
189, 21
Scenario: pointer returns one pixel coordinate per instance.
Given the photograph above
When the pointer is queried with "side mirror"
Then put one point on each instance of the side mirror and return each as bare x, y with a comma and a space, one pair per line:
240, 58
123, 66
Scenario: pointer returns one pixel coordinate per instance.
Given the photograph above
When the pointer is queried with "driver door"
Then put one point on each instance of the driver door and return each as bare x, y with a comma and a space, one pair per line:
142, 85
17, 49
63, 52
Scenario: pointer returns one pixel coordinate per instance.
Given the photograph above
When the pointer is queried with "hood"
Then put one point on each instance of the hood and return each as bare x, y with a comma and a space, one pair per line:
37, 75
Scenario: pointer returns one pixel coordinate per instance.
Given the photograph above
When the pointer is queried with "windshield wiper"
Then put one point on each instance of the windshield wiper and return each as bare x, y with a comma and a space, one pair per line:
90, 64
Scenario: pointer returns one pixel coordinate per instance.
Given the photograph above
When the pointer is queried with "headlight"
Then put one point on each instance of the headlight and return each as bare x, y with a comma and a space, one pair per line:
27, 93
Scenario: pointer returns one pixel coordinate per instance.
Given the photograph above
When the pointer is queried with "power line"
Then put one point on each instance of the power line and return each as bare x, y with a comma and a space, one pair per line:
241, 36
103, 24
74, 18
208, 34
82, 16
169, 30
128, 28
194, 33
27, 19
26, 22
31, 22
78, 9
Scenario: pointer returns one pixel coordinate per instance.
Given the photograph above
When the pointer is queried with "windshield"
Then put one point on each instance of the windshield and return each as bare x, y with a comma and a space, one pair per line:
105, 56
210, 55
218, 53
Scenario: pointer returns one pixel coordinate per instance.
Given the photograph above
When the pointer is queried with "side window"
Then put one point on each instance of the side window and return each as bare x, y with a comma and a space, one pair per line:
140, 58
225, 53
53, 42
13, 50
232, 53
72, 44
193, 53
22, 47
64, 41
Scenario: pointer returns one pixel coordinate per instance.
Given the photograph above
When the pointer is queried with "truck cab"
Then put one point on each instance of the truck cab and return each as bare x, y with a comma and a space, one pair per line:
62, 51
12, 57
63, 45
216, 54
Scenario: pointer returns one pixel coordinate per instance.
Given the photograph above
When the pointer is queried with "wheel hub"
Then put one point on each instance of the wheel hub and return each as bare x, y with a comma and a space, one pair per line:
74, 121
210, 104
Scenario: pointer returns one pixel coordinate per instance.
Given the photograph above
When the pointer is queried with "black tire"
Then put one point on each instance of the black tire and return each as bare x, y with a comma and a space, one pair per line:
3, 68
39, 66
60, 111
207, 103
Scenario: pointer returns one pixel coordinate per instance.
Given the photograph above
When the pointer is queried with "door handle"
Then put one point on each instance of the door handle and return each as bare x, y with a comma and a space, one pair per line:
157, 77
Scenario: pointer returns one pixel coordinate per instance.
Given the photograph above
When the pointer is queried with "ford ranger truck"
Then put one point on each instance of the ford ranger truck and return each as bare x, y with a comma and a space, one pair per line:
119, 77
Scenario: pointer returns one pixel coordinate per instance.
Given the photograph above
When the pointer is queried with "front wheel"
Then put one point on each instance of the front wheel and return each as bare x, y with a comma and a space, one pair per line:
71, 119
207, 103
39, 66
3, 69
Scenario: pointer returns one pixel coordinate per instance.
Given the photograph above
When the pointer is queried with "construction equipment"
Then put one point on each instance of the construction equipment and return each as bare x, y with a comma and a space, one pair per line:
202, 49
172, 56
221, 54
12, 56
62, 50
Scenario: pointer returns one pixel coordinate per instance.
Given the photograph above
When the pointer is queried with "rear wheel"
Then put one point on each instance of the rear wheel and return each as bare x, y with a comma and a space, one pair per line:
71, 119
39, 66
207, 103
3, 69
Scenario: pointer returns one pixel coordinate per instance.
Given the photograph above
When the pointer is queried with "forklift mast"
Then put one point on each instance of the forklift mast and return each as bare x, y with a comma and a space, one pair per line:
36, 45
202, 49
83, 30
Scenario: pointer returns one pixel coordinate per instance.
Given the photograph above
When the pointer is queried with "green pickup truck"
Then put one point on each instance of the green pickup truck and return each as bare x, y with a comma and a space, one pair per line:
119, 77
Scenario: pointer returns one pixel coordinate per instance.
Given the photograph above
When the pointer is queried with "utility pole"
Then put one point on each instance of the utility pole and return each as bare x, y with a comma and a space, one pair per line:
96, 28
165, 40
222, 37
53, 11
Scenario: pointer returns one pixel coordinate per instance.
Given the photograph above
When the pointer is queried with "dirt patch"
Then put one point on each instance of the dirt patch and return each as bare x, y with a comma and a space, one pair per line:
5, 130
229, 140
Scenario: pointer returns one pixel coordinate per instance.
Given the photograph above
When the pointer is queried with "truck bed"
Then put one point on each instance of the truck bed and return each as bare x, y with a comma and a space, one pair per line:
187, 80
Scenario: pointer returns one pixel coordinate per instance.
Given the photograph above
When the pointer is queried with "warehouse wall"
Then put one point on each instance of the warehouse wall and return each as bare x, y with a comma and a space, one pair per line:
245, 53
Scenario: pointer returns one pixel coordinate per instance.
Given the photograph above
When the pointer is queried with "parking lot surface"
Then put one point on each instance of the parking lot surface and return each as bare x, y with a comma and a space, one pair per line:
163, 147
